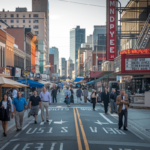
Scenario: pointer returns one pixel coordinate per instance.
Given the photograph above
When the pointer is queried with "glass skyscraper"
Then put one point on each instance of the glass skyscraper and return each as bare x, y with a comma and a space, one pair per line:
77, 37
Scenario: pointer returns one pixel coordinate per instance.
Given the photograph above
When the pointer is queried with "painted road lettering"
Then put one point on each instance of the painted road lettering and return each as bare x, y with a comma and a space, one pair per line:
58, 109
64, 129
94, 130
40, 146
50, 130
123, 149
113, 131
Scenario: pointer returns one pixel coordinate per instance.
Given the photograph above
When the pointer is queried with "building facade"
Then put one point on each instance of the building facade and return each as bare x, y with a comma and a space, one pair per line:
55, 52
38, 20
70, 68
62, 66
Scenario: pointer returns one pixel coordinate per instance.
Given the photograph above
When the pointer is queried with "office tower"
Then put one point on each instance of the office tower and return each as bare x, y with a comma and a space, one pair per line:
55, 52
62, 66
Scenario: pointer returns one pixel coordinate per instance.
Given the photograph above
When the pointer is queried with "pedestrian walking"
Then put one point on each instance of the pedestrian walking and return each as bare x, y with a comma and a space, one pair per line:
79, 94
54, 94
94, 99
123, 102
35, 105
20, 105
6, 108
67, 96
72, 98
105, 100
113, 97
45, 102
85, 94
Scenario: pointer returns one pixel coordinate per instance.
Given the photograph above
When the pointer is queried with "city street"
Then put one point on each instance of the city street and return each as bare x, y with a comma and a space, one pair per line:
76, 128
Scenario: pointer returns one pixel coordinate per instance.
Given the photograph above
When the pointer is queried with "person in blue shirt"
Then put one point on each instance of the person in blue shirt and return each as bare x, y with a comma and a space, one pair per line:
67, 96
20, 105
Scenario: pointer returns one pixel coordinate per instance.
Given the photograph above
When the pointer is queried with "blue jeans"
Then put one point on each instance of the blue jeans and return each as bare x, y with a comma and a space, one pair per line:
68, 101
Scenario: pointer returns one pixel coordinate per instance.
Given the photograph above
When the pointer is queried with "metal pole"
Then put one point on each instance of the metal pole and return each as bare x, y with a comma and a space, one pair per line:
96, 57
26, 88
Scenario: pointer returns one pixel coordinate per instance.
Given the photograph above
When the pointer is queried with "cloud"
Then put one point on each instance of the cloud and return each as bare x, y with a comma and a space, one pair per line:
54, 17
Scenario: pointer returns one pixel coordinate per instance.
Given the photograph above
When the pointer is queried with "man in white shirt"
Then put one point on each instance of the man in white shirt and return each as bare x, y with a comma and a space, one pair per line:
14, 93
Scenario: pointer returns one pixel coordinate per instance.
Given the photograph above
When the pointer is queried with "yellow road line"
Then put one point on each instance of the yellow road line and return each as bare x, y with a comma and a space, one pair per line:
83, 133
77, 131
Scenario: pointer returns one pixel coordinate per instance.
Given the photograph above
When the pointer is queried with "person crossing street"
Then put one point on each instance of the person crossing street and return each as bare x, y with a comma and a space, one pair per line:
113, 104
79, 94
67, 96
45, 102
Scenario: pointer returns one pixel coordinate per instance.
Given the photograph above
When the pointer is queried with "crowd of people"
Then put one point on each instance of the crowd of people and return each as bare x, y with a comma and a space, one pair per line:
15, 108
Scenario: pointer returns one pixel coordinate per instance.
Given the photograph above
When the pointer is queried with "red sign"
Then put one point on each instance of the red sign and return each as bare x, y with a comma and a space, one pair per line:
135, 51
111, 49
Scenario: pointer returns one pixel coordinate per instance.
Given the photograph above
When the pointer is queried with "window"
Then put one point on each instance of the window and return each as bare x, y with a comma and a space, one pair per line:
23, 26
23, 21
5, 15
5, 21
29, 26
36, 32
23, 15
12, 21
35, 21
17, 15
36, 15
12, 15
29, 21
12, 26
35, 27
17, 21
29, 15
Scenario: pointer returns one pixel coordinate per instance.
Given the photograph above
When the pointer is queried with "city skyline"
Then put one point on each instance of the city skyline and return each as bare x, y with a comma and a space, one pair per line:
60, 26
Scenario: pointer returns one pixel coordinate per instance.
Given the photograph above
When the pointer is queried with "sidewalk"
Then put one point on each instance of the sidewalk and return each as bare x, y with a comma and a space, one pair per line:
139, 119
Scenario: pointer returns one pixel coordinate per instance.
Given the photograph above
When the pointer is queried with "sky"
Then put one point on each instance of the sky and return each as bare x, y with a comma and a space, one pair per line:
66, 15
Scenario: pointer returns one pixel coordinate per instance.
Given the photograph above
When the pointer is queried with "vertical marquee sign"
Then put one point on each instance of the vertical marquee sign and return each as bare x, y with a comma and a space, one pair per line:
112, 44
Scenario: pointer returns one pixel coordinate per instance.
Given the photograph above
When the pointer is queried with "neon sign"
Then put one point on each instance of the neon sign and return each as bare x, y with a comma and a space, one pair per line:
135, 51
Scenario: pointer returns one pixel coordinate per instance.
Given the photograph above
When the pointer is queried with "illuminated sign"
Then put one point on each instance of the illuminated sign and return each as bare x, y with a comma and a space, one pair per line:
111, 36
137, 64
135, 51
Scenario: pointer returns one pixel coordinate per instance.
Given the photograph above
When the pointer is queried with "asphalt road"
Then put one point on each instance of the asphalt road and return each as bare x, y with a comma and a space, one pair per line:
76, 128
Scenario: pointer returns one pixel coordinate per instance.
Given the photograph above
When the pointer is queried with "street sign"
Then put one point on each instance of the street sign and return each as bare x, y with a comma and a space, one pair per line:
26, 73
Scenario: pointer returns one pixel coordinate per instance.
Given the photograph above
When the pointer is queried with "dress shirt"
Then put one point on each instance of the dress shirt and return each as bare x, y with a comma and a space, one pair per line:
67, 92
123, 108
45, 97
14, 93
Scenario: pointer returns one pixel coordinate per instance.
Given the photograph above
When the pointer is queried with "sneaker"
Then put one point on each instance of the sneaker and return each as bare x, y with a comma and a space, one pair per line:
5, 134
125, 129
47, 120
18, 130
35, 122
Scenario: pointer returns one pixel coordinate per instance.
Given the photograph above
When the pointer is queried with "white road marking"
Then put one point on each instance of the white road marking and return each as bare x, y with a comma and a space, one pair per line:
50, 121
16, 147
13, 140
93, 130
61, 146
28, 132
100, 123
40, 130
5, 146
26, 146
50, 130
42, 123
105, 130
111, 131
61, 122
64, 129
119, 131
106, 118
40, 147
53, 145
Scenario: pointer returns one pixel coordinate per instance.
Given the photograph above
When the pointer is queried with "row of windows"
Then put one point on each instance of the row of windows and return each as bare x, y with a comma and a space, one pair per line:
17, 15
17, 21
34, 27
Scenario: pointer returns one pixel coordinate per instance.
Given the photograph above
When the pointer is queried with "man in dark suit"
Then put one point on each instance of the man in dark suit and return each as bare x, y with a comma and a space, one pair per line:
105, 100
123, 102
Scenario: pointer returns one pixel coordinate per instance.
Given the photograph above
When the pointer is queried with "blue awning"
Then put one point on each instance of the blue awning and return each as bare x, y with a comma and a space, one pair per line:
78, 79
31, 83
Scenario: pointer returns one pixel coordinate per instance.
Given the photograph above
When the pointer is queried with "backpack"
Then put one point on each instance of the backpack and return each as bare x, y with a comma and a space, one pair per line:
93, 95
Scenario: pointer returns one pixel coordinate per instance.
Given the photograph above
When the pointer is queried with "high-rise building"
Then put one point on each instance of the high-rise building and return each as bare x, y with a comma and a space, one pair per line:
62, 66
55, 52
77, 37
70, 68
38, 20
88, 44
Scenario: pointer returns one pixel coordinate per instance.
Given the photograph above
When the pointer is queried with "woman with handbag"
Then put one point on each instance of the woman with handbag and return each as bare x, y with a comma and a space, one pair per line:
6, 108
94, 99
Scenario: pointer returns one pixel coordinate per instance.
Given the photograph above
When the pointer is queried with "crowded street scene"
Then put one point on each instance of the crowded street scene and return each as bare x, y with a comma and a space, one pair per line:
75, 75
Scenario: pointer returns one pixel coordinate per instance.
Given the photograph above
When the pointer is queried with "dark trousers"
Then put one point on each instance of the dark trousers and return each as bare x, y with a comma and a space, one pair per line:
94, 102
123, 113
54, 97
105, 107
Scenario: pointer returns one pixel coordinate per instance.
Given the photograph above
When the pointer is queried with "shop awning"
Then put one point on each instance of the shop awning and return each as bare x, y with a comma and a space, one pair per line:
43, 82
31, 83
105, 76
78, 79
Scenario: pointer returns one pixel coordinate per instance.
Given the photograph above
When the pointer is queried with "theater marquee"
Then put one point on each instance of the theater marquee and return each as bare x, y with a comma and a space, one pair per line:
111, 30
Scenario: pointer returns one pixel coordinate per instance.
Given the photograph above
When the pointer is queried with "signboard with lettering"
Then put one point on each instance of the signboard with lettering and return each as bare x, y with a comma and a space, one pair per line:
137, 64
111, 29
